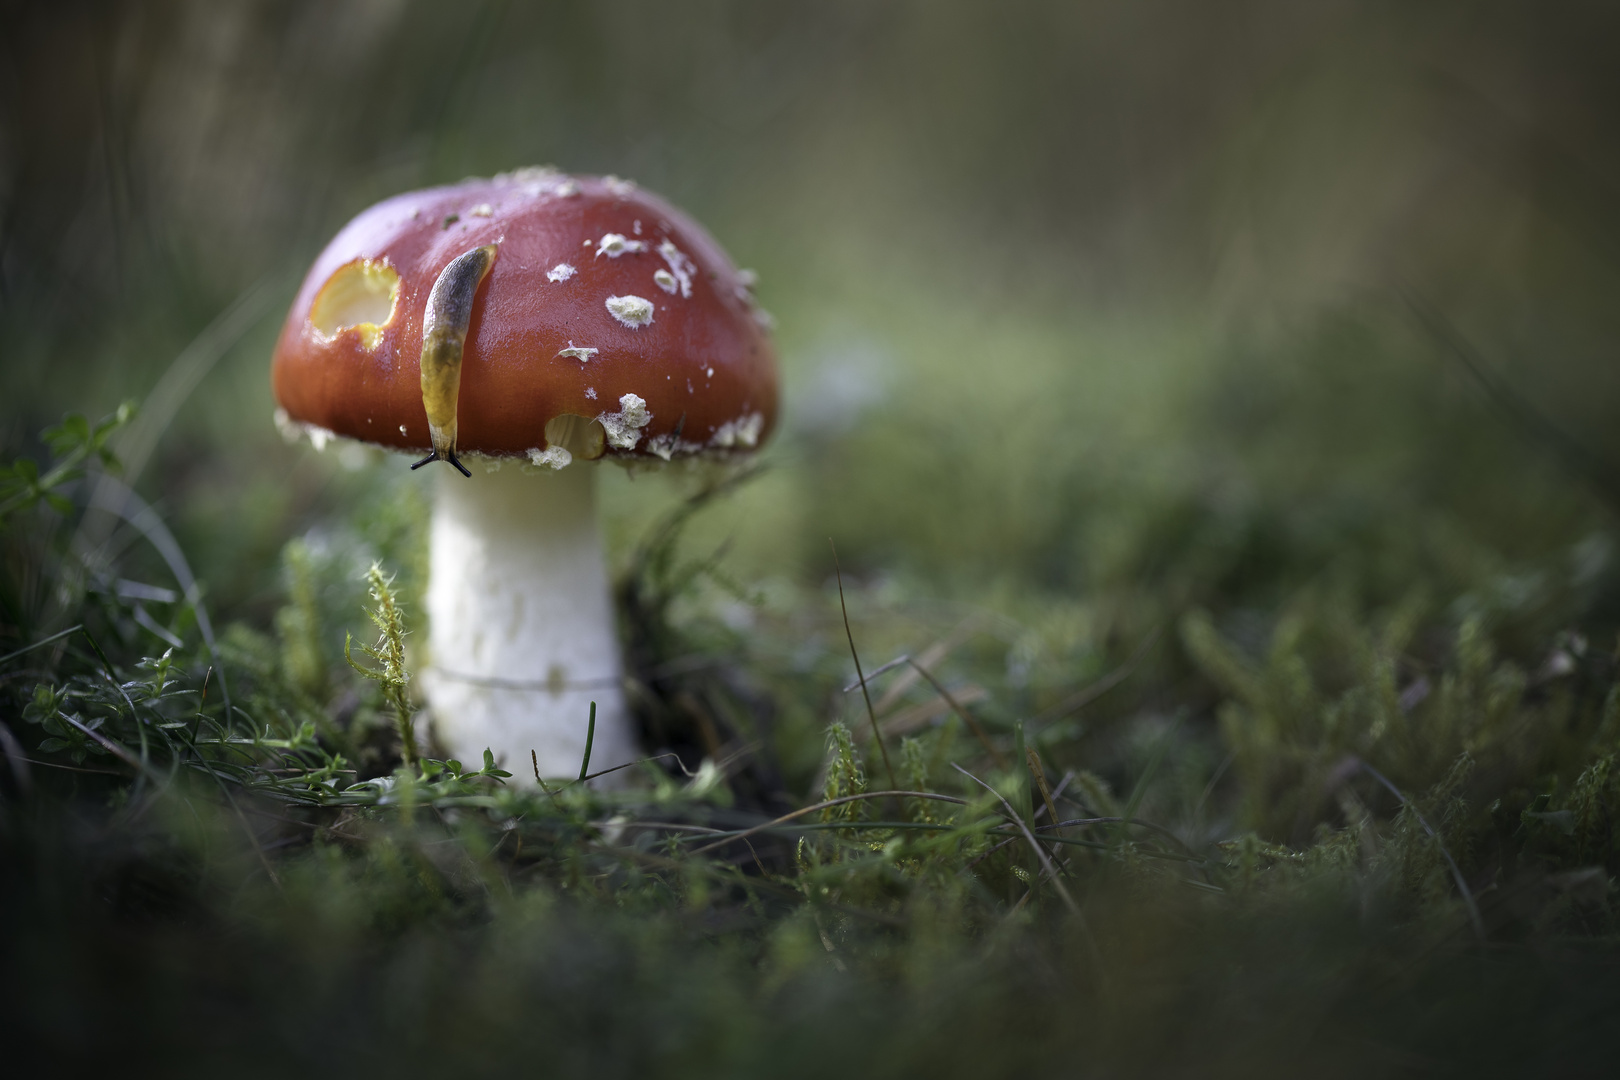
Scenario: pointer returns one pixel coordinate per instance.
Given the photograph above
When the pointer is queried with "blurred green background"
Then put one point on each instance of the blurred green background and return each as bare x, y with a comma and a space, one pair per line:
1089, 313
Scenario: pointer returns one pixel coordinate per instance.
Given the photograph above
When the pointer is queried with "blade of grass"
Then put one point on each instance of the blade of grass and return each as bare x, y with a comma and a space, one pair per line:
1074, 908
41, 643
112, 746
186, 372
1456, 874
590, 737
616, 768
1034, 844
1033, 758
813, 808
871, 714
117, 498
967, 717
253, 837
1140, 790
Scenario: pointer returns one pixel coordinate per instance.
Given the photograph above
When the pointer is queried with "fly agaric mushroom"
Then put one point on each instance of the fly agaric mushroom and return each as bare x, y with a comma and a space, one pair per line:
543, 322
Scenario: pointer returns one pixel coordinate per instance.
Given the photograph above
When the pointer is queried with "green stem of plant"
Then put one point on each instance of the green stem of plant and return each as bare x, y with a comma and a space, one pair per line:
590, 737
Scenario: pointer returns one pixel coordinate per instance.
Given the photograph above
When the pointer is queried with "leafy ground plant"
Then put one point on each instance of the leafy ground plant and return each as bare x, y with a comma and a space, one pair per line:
1356, 840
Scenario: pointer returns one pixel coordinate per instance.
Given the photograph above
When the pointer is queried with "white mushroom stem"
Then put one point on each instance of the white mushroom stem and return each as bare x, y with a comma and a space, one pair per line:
522, 637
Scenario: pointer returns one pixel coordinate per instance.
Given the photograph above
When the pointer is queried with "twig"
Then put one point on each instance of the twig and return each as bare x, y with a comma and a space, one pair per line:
874, 673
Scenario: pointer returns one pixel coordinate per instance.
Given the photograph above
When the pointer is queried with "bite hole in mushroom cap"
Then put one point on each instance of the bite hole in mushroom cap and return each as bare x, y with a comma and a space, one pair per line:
581, 436
361, 295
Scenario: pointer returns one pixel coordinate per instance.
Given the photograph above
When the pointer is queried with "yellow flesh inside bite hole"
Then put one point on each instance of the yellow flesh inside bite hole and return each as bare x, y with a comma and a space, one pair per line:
579, 435
361, 296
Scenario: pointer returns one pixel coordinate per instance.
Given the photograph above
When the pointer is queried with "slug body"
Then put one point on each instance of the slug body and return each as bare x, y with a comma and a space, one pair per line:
444, 334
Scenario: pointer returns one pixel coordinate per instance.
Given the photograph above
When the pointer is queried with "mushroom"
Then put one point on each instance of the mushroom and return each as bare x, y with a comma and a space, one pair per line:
542, 322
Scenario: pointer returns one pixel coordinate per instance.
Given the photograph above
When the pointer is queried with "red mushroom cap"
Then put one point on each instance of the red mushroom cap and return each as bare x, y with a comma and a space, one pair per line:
604, 302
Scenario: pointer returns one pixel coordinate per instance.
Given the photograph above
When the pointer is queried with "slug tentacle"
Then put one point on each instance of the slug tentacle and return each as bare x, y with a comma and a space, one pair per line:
433, 455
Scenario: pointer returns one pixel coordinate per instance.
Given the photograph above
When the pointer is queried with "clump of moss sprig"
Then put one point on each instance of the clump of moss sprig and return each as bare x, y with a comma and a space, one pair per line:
389, 652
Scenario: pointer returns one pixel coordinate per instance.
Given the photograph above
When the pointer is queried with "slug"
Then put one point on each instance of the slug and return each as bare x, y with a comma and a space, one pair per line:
444, 334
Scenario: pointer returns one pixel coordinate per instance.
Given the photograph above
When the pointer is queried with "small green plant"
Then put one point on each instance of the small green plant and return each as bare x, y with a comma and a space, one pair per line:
77, 445
389, 652
845, 776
